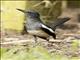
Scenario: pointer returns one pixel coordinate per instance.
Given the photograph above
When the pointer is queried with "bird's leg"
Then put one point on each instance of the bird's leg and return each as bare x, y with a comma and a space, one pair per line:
50, 40
36, 42
47, 39
35, 38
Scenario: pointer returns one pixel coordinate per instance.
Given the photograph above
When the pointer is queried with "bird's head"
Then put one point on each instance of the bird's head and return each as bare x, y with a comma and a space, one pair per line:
30, 13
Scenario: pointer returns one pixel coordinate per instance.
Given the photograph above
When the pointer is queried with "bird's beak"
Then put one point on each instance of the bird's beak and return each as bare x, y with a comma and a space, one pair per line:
22, 10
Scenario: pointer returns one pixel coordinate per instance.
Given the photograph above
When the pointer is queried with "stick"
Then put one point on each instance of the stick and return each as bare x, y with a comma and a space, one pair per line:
16, 42
25, 41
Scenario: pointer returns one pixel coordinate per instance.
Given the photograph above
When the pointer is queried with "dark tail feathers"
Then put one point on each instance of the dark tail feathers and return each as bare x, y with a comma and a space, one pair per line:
59, 22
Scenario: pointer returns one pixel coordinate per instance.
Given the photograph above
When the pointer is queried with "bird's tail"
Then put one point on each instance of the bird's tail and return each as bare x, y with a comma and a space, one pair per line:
59, 22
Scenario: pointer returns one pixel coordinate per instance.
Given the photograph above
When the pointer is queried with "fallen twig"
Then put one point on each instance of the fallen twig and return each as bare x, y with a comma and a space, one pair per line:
16, 42
25, 41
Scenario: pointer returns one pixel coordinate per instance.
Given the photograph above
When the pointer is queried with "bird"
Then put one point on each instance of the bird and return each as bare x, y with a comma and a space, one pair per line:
35, 26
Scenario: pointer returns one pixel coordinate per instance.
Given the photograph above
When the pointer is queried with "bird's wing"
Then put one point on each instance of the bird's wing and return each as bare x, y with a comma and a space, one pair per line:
47, 28
58, 22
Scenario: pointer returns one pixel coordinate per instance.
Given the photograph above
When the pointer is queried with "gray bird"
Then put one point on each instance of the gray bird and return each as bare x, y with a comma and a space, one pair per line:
37, 28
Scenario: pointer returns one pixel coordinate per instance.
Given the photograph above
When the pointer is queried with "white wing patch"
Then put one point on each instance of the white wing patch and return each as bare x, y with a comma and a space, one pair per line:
47, 28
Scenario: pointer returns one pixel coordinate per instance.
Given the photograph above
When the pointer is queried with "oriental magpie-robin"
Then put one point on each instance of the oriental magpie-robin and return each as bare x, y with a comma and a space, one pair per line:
37, 28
